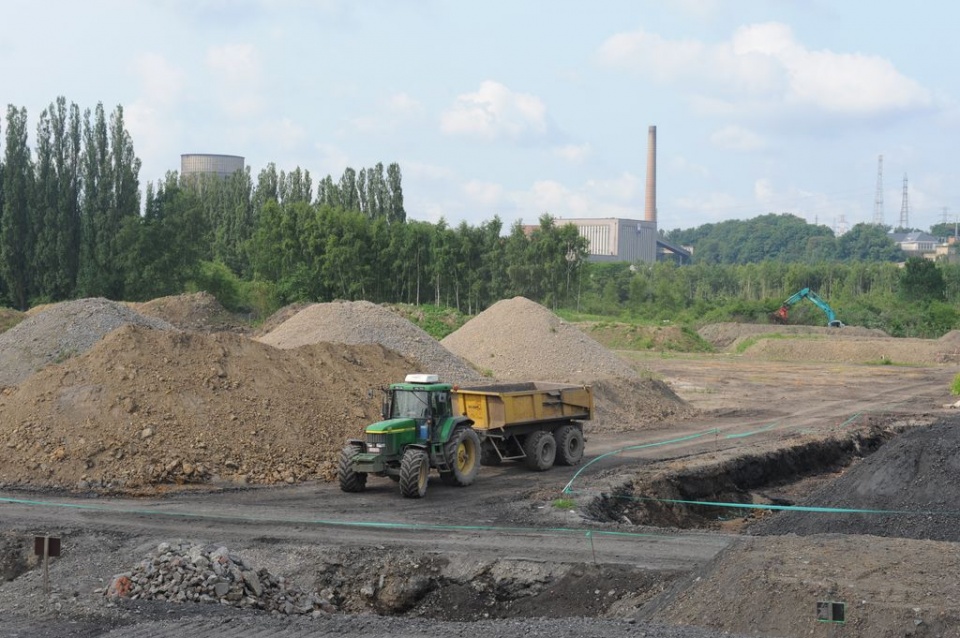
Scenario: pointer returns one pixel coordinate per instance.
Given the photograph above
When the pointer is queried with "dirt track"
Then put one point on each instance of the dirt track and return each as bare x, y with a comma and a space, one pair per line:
501, 554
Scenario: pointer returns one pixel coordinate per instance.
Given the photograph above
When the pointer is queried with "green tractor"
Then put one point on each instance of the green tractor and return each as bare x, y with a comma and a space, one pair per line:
419, 431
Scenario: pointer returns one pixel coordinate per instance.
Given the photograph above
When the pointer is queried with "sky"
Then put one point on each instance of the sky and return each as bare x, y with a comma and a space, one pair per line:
525, 107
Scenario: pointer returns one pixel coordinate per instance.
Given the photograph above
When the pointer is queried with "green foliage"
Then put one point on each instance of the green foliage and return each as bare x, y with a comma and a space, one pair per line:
955, 385
564, 503
258, 298
437, 321
921, 280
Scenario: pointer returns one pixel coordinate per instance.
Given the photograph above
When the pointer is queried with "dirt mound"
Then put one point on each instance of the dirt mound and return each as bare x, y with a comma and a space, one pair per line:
769, 587
727, 335
519, 339
911, 486
362, 322
277, 318
199, 312
62, 331
857, 350
146, 407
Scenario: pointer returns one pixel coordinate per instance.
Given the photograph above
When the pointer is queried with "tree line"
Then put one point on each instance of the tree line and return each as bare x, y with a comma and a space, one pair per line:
72, 224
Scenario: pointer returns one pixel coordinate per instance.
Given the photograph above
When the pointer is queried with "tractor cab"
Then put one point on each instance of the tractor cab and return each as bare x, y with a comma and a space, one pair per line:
420, 397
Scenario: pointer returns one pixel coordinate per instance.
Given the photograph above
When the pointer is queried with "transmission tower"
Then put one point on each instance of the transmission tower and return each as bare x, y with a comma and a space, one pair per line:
905, 207
878, 201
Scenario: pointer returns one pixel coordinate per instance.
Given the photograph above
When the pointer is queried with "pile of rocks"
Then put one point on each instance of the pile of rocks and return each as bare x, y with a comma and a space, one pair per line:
185, 572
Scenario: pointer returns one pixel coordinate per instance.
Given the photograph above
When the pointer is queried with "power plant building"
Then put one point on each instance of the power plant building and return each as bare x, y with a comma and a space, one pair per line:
198, 164
614, 239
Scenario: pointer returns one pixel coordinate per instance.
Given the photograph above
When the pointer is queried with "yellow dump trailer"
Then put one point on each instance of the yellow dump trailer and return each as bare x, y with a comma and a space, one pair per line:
534, 421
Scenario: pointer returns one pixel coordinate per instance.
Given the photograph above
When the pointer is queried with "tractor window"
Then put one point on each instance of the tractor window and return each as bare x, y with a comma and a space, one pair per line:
441, 406
410, 405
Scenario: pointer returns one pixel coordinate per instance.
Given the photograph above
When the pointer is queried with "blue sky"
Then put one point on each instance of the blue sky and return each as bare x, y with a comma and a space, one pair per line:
528, 107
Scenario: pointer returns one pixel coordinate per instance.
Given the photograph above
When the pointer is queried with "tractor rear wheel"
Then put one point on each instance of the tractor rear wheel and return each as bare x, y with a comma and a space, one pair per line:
350, 480
541, 450
569, 444
414, 472
462, 454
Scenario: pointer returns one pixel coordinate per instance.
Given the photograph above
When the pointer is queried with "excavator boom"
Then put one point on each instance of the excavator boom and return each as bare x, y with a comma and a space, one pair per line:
781, 314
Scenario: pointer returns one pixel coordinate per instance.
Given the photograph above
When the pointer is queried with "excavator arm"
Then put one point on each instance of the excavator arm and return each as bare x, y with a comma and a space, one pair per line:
783, 312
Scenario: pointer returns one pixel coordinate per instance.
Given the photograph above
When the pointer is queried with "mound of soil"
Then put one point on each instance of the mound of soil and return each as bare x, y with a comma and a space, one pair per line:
199, 312
856, 350
62, 331
770, 587
147, 407
520, 339
911, 485
362, 322
277, 318
728, 335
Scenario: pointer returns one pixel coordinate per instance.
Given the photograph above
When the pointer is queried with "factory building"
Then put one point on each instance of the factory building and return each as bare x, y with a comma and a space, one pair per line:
633, 240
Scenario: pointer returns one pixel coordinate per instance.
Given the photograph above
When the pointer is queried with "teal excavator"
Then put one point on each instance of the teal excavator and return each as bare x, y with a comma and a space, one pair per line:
782, 313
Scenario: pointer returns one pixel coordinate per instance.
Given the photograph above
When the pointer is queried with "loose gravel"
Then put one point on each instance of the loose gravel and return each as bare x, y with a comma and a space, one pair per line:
62, 331
362, 322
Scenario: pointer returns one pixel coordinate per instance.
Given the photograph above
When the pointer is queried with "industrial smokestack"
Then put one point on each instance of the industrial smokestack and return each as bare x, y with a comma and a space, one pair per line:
650, 209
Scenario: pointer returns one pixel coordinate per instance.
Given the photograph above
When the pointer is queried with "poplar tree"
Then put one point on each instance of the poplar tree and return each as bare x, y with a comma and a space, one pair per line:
16, 240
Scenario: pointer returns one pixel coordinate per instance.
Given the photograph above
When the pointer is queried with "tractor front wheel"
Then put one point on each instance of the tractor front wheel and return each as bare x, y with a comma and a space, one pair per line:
414, 472
350, 481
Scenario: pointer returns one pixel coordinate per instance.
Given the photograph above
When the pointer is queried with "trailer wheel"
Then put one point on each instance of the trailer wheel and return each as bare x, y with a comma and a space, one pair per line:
569, 444
350, 481
414, 470
462, 454
541, 450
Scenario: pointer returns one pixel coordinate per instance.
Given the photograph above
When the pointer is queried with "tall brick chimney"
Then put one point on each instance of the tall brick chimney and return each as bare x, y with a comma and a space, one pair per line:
650, 207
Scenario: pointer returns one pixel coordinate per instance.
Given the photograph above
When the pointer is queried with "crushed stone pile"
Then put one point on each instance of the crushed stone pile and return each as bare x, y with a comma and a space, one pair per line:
727, 335
144, 408
518, 339
198, 312
193, 573
62, 331
363, 322
912, 484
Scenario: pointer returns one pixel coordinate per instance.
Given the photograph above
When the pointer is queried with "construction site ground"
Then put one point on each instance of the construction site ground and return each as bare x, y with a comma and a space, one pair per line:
613, 547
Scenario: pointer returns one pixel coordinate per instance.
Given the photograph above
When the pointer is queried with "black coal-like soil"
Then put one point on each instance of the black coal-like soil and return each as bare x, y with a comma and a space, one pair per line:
912, 483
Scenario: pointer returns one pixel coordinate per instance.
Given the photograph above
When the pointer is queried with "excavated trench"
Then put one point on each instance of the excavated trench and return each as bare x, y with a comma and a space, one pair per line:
461, 588
779, 476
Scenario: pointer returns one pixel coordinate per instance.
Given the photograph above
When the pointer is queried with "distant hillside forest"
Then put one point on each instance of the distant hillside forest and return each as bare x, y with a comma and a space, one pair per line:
74, 223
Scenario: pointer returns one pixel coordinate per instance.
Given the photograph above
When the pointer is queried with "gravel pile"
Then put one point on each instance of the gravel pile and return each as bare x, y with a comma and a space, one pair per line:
362, 322
912, 484
62, 331
520, 339
199, 311
184, 572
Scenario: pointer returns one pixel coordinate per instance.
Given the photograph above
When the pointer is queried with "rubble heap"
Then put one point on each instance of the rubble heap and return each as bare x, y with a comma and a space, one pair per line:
184, 572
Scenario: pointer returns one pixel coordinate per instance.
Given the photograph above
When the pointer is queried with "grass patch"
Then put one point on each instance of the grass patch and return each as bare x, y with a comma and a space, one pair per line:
564, 503
750, 341
955, 386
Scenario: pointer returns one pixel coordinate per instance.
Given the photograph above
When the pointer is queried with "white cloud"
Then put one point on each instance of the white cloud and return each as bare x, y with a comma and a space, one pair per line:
283, 134
736, 138
394, 112
483, 193
237, 75
151, 118
573, 152
495, 112
763, 65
